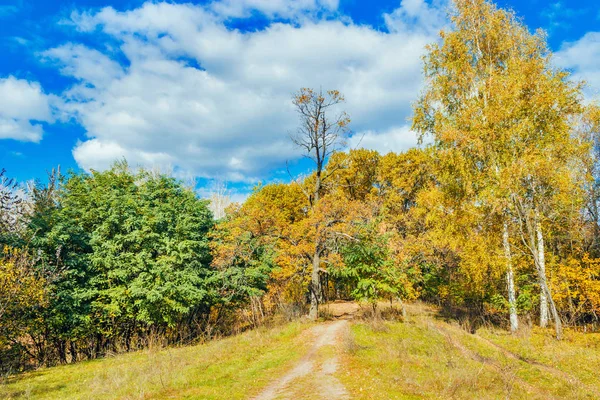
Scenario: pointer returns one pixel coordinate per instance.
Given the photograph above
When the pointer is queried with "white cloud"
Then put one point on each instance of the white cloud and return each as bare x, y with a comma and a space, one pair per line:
20, 130
97, 155
85, 64
418, 16
582, 57
23, 105
230, 117
395, 139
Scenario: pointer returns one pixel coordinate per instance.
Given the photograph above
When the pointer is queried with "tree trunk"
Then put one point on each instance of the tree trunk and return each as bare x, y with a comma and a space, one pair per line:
315, 282
541, 273
544, 282
512, 303
73, 351
315, 288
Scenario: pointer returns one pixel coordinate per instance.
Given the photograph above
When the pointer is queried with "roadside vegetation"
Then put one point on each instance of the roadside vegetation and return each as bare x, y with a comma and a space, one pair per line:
232, 368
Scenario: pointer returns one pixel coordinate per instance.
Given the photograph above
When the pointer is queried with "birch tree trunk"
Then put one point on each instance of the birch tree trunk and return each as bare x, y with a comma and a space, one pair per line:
512, 302
545, 290
541, 273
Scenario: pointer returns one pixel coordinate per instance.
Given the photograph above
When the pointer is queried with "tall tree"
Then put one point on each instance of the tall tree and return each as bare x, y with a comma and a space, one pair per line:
587, 130
319, 135
496, 108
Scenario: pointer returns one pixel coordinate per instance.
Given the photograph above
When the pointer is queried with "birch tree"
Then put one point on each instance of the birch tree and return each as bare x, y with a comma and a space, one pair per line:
12, 210
587, 130
494, 105
219, 199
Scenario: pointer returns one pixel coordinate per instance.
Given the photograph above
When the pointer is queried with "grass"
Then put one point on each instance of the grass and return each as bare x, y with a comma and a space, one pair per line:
425, 357
232, 368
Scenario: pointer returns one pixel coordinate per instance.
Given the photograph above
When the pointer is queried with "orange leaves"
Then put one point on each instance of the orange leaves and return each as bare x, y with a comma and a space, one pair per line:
307, 96
265, 217
304, 96
344, 122
280, 218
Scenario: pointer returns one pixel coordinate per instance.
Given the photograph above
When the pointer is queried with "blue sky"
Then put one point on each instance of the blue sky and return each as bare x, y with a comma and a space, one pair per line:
203, 89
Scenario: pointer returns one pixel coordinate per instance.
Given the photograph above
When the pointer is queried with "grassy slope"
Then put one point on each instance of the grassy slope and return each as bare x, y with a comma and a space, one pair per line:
232, 368
428, 358
424, 357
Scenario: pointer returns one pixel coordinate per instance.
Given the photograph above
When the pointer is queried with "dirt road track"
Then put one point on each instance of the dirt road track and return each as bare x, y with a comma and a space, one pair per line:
320, 372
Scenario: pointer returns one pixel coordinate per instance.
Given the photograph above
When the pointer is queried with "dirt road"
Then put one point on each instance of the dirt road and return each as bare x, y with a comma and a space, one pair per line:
313, 376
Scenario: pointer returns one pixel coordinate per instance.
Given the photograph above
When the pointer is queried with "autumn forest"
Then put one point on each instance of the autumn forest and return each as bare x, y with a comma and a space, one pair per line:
493, 218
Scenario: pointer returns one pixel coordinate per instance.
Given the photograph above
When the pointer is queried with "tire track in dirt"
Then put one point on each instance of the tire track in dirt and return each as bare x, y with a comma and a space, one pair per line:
327, 384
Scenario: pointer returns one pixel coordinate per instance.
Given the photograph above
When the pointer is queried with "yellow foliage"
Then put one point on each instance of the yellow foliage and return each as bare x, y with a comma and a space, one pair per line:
576, 286
21, 292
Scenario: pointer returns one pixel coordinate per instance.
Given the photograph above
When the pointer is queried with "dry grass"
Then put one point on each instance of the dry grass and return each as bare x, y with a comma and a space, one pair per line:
232, 368
422, 357
428, 358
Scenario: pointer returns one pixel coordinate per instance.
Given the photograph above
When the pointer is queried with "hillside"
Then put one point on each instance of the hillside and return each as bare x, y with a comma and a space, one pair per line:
423, 357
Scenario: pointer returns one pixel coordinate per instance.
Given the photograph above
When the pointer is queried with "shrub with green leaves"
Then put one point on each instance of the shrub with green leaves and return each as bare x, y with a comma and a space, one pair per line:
130, 251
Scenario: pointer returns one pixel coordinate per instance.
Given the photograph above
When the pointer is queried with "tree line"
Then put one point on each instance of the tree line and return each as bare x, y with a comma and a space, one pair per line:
495, 216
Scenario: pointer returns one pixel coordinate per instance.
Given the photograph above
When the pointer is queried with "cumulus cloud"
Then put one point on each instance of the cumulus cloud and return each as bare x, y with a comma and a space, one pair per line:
582, 57
23, 106
395, 139
418, 16
193, 93
85, 64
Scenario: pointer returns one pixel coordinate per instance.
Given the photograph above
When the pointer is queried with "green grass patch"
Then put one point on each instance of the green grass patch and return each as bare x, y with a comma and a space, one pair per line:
233, 368
573, 361
428, 358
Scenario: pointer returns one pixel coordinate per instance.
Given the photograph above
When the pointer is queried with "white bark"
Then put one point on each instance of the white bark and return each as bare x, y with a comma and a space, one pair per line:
219, 199
542, 273
545, 289
512, 302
